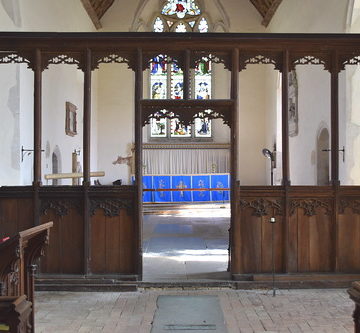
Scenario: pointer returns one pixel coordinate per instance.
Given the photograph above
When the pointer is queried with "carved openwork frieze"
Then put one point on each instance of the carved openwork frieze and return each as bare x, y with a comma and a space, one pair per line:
61, 207
61, 58
108, 57
15, 58
265, 58
263, 207
310, 59
348, 59
111, 207
351, 203
198, 57
310, 206
187, 110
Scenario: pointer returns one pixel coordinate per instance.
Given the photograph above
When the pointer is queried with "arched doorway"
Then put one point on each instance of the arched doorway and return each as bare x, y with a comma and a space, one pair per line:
322, 165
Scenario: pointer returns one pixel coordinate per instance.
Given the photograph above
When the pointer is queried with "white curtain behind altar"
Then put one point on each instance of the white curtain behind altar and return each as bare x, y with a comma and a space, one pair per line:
186, 161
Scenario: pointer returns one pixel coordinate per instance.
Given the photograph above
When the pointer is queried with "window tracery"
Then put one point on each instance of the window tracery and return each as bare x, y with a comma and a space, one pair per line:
167, 78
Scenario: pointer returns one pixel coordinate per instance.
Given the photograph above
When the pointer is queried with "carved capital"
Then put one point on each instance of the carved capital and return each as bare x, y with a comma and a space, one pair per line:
309, 206
263, 207
111, 207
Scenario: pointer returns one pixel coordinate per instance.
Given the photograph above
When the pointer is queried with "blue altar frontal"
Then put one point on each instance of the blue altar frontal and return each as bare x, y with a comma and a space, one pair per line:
183, 188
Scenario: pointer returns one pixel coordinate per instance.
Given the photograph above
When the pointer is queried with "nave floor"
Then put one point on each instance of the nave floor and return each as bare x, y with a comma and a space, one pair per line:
250, 311
186, 244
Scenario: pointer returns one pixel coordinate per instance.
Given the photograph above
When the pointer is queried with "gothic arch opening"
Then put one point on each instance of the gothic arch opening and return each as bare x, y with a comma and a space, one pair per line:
323, 157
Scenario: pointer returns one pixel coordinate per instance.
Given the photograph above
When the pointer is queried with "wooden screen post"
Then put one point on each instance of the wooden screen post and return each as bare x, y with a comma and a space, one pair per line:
234, 95
186, 74
287, 260
86, 159
138, 158
335, 181
37, 134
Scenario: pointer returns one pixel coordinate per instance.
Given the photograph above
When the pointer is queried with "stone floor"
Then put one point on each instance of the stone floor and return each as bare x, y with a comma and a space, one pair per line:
244, 311
186, 244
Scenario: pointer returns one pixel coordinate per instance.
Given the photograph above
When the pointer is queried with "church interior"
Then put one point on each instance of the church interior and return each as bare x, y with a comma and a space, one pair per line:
175, 144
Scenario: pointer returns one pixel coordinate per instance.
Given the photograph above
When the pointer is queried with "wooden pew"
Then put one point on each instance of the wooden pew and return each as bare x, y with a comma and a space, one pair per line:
15, 314
354, 293
18, 257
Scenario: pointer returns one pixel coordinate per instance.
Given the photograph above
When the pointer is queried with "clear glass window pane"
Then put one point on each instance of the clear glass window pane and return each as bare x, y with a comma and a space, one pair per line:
158, 128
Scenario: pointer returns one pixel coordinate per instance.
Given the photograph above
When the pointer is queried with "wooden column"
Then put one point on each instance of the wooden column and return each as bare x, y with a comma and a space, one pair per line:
138, 158
186, 74
87, 117
288, 260
285, 118
234, 95
335, 181
335, 119
86, 160
37, 133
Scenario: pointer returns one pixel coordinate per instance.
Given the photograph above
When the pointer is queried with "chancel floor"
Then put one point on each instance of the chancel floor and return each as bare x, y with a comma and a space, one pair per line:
186, 243
250, 311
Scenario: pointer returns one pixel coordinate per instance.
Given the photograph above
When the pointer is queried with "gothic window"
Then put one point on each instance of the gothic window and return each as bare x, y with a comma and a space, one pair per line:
166, 77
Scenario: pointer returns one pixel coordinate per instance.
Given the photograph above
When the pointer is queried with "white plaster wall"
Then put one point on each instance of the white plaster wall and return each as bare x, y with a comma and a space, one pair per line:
310, 16
314, 113
61, 83
115, 120
252, 127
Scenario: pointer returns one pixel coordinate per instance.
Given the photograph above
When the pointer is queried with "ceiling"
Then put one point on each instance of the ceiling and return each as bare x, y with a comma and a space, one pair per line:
97, 8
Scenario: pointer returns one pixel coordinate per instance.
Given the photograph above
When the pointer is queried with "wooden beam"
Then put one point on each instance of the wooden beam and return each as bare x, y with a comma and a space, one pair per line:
92, 13
271, 12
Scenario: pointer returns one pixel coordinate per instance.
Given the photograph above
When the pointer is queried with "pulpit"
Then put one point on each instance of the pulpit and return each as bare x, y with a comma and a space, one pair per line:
18, 257
354, 293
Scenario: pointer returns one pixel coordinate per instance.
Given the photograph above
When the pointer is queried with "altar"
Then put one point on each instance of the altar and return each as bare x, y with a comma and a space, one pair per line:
214, 187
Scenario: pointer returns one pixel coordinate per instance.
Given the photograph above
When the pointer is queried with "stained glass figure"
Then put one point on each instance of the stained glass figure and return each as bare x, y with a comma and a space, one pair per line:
158, 25
202, 128
179, 130
203, 25
181, 27
158, 128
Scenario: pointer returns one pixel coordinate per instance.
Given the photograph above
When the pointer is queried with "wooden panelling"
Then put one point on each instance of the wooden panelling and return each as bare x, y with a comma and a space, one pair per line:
113, 243
66, 250
348, 241
16, 214
258, 237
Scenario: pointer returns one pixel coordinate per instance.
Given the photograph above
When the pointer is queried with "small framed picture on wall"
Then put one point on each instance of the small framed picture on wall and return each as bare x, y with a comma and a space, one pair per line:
70, 119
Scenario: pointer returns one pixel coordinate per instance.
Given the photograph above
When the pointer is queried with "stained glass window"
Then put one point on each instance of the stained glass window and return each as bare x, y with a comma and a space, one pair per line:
166, 77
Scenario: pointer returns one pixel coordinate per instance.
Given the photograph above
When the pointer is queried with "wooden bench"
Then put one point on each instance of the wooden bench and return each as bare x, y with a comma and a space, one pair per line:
18, 257
354, 293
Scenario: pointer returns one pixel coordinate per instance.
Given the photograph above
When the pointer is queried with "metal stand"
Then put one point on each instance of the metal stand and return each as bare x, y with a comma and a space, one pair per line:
272, 221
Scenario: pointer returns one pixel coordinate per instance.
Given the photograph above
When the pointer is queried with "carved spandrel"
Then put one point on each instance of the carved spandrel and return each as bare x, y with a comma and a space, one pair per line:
61, 58
117, 57
352, 204
349, 59
263, 207
111, 207
214, 57
310, 59
60, 207
265, 58
309, 206
16, 58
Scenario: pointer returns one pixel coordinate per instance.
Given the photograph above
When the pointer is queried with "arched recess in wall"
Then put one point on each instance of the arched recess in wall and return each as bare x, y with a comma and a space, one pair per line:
56, 164
219, 25
323, 157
